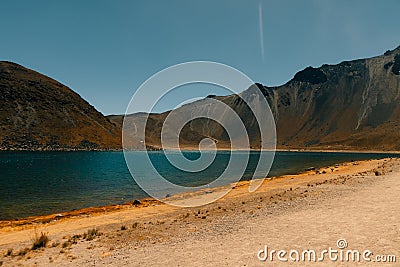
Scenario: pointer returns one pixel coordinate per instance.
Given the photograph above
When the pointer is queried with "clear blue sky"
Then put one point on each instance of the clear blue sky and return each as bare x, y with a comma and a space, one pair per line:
104, 50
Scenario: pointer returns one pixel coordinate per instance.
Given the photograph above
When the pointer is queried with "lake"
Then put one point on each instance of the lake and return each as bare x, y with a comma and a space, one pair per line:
39, 183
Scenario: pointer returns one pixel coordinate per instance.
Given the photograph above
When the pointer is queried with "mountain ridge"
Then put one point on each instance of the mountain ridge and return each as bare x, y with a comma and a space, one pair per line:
353, 105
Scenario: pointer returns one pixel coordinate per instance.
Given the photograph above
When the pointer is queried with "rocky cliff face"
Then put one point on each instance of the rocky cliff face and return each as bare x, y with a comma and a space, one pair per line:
352, 105
37, 112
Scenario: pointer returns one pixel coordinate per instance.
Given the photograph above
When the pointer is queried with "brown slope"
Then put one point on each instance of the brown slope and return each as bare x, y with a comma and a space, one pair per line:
38, 112
352, 105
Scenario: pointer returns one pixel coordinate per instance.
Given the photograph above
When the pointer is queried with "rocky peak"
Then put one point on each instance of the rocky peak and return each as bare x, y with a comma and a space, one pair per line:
310, 75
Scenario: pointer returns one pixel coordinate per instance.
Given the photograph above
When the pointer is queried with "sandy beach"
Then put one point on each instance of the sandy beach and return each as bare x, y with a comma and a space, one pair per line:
358, 202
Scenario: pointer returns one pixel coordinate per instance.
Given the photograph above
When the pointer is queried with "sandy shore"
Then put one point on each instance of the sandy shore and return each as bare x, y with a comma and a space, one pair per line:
357, 201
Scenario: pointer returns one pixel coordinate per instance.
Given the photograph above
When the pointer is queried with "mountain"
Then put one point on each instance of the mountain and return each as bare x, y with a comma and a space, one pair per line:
39, 113
351, 105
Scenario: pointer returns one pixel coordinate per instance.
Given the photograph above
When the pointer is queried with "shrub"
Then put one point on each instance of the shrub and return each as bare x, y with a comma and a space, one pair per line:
40, 241
91, 234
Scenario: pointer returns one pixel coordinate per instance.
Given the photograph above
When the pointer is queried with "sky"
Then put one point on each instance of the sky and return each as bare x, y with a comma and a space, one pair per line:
104, 50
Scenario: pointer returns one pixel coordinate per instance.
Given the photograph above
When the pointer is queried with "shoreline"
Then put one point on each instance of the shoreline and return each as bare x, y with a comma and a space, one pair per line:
191, 149
147, 201
134, 231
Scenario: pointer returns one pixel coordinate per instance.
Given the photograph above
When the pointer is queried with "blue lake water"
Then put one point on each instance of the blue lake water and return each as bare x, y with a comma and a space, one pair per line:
39, 183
